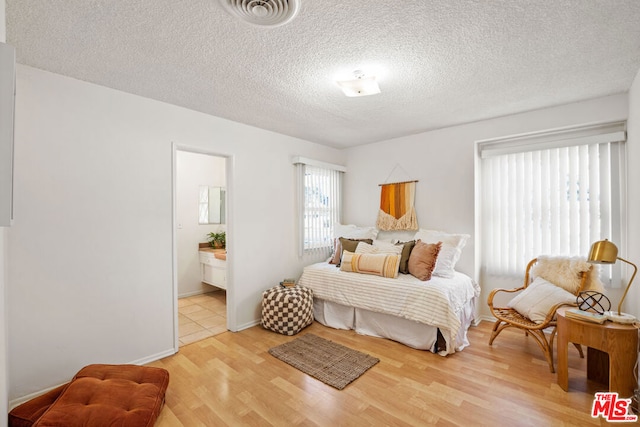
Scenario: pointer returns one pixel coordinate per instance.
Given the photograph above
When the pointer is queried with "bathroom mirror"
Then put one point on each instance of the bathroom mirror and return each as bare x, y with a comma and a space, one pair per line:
212, 205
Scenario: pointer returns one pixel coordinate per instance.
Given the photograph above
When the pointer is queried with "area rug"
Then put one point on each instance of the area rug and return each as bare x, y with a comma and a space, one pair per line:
327, 361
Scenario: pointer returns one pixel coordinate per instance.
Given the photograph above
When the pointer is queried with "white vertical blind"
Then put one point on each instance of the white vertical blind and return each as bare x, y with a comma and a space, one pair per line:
553, 201
320, 207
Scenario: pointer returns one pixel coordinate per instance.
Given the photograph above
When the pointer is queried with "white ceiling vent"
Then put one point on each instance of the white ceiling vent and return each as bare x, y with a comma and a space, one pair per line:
266, 13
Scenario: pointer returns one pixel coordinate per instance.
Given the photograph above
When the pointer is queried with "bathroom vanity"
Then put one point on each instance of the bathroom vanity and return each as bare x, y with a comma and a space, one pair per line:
213, 267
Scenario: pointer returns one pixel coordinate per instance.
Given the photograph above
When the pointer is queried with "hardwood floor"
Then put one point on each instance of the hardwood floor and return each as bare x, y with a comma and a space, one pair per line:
230, 379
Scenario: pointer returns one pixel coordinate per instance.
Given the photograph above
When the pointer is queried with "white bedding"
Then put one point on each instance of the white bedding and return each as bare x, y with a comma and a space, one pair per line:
438, 302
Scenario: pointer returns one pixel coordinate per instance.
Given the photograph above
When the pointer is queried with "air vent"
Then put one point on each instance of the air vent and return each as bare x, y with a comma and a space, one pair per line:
266, 13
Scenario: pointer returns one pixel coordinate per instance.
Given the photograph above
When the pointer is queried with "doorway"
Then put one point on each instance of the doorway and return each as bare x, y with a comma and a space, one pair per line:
201, 304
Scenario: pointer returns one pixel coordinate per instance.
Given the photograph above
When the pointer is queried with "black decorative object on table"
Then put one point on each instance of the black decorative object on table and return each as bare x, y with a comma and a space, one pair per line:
593, 301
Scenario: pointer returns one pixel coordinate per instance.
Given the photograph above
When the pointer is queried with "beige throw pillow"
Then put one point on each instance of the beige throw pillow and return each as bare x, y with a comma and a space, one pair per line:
379, 264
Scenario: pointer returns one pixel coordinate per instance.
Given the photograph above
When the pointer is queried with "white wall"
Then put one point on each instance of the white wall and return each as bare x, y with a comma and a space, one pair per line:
90, 252
4, 351
192, 171
3, 24
632, 303
4, 367
89, 258
443, 162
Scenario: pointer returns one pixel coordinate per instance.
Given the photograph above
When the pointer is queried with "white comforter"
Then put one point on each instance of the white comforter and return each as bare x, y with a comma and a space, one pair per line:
436, 302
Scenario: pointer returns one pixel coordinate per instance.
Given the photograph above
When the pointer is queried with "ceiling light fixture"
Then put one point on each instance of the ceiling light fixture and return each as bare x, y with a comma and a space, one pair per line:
265, 13
362, 85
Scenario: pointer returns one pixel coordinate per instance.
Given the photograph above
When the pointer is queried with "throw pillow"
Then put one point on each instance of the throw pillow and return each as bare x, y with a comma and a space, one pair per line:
422, 260
407, 247
337, 252
344, 244
535, 301
385, 265
450, 252
378, 248
351, 244
349, 232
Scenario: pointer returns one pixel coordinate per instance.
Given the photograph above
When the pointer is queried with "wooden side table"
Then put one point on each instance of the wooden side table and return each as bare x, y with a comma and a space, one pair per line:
613, 341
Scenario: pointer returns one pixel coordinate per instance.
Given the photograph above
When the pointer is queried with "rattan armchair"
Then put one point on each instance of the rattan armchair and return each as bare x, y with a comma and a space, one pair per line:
509, 317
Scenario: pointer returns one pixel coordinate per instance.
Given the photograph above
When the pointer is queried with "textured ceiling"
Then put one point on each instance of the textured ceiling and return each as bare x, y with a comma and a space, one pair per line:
439, 63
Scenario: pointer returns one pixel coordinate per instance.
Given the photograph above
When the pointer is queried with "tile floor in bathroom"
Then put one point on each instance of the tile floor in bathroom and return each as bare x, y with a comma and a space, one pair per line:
202, 316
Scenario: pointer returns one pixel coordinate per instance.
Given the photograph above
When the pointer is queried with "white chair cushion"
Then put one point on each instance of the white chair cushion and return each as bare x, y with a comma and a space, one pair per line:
537, 299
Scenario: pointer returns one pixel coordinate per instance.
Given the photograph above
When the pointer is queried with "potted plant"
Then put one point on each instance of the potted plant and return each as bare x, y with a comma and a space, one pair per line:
217, 240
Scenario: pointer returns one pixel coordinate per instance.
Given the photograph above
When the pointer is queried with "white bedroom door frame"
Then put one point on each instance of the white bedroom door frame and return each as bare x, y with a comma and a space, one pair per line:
231, 300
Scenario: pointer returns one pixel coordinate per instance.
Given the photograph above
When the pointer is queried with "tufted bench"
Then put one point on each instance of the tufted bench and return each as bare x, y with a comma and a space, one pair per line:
99, 395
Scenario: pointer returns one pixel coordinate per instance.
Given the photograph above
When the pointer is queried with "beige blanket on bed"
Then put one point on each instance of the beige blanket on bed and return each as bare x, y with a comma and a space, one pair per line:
436, 302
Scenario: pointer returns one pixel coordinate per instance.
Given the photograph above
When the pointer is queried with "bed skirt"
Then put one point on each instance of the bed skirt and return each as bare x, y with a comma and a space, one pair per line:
408, 332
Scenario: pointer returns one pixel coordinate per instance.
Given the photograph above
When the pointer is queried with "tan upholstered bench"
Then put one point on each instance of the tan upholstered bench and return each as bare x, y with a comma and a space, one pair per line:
99, 395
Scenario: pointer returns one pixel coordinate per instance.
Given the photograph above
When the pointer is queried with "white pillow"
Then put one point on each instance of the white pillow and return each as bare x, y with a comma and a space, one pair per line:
378, 247
538, 298
450, 250
353, 232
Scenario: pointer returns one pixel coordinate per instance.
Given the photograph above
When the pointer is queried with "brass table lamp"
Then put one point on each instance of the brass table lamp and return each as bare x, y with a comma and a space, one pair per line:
605, 252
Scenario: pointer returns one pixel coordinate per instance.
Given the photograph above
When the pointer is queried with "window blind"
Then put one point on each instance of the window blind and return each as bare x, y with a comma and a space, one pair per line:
319, 205
554, 200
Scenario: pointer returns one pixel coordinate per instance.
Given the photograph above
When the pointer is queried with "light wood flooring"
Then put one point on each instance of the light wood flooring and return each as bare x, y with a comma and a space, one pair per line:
231, 380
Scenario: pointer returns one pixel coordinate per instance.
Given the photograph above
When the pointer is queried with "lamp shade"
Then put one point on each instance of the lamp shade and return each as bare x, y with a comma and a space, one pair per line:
603, 252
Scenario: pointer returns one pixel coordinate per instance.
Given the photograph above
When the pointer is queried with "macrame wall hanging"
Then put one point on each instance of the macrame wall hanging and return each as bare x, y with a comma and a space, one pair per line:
397, 210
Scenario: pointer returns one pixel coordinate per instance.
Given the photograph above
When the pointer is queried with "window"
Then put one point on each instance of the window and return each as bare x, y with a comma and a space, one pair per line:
553, 193
319, 205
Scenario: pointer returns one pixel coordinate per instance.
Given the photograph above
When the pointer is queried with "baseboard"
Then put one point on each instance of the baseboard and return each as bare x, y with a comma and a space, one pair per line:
20, 400
154, 357
486, 318
248, 325
191, 294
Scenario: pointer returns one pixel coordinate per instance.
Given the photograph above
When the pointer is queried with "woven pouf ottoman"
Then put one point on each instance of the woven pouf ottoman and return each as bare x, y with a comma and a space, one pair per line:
287, 310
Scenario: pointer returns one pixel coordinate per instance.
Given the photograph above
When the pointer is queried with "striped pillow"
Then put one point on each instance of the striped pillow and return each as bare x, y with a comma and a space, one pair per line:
385, 265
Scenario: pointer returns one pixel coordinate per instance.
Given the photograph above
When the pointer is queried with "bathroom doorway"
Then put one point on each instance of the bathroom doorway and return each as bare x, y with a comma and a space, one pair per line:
201, 274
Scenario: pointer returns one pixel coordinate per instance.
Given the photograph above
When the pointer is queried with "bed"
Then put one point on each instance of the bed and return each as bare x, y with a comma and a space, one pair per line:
431, 315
